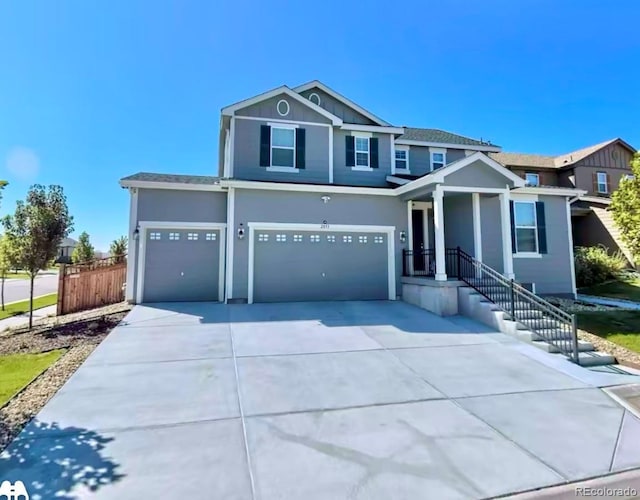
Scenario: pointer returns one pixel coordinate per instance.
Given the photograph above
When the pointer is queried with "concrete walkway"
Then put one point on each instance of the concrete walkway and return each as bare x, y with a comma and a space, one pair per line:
607, 301
23, 319
351, 400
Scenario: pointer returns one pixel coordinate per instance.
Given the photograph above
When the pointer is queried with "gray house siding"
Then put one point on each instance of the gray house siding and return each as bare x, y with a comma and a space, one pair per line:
458, 222
246, 156
297, 111
347, 176
308, 208
337, 108
478, 174
420, 159
181, 206
551, 273
491, 231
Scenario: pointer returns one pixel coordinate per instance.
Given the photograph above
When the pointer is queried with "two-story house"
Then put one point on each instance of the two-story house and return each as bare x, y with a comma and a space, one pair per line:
319, 199
596, 169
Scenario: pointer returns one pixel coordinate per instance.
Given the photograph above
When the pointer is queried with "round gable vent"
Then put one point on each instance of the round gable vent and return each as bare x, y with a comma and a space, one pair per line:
314, 98
283, 107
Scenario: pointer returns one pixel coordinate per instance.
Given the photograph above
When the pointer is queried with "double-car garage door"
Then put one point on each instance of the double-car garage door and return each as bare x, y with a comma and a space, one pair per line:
182, 265
290, 265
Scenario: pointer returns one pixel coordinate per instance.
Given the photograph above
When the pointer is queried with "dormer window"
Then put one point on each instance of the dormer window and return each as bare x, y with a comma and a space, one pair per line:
602, 182
283, 147
438, 158
532, 179
362, 152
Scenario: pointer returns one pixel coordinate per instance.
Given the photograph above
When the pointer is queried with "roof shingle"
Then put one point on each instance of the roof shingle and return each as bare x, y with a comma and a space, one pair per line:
523, 160
440, 136
173, 178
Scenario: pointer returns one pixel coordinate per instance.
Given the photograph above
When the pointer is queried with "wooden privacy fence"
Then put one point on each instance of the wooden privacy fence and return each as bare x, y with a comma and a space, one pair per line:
92, 284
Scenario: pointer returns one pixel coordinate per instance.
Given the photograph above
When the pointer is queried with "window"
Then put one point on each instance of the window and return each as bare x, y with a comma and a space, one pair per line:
378, 239
362, 151
362, 239
297, 238
154, 236
283, 147
532, 179
347, 239
174, 236
263, 237
331, 238
402, 160
210, 237
315, 238
192, 236
438, 158
281, 237
602, 182
526, 227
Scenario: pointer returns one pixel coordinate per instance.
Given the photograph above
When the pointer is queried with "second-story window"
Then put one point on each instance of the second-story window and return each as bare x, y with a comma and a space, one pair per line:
402, 159
532, 179
362, 151
283, 147
602, 186
438, 158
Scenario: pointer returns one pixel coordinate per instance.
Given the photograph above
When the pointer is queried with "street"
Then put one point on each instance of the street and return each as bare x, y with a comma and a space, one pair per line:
18, 289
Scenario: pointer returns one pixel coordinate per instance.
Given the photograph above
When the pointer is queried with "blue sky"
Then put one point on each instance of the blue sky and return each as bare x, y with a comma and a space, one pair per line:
93, 91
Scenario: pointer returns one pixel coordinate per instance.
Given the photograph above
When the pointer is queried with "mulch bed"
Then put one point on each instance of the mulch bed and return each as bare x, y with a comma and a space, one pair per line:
79, 333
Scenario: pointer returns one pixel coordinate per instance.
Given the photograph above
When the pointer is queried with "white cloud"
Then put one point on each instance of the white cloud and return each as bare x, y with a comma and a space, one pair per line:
23, 163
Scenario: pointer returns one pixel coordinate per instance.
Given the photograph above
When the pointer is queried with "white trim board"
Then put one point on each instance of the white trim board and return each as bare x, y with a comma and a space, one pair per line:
311, 188
231, 109
181, 186
342, 99
282, 120
132, 257
550, 191
142, 248
277, 226
571, 256
231, 207
372, 128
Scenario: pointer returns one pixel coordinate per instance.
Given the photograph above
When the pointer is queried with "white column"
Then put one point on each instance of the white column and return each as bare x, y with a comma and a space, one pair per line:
477, 226
438, 224
410, 261
505, 221
132, 256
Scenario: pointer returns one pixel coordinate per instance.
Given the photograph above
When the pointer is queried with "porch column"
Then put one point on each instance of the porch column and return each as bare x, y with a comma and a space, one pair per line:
477, 226
505, 221
438, 225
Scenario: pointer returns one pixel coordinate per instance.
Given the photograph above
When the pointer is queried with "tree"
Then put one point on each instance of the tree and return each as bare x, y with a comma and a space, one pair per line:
8, 261
118, 248
84, 251
625, 206
36, 229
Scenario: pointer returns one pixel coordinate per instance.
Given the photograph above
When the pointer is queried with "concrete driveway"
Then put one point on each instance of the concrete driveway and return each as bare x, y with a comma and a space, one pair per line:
351, 400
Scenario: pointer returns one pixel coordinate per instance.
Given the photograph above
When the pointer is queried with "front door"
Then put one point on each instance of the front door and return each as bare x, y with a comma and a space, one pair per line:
417, 222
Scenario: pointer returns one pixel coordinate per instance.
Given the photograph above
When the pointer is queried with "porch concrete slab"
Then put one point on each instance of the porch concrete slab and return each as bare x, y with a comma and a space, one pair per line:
575, 432
415, 450
324, 381
151, 344
297, 337
206, 459
475, 370
628, 450
101, 397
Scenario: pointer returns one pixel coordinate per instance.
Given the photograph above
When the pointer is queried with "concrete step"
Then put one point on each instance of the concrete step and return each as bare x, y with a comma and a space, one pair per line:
544, 323
545, 346
596, 358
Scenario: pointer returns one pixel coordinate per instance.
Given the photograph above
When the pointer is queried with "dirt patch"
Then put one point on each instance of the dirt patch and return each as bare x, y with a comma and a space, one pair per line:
80, 333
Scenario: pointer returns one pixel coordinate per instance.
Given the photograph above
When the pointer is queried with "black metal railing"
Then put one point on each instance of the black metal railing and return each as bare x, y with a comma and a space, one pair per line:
546, 321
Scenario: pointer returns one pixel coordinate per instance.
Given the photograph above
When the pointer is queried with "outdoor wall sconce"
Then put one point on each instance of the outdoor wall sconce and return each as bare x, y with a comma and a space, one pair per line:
240, 231
403, 236
325, 198
136, 233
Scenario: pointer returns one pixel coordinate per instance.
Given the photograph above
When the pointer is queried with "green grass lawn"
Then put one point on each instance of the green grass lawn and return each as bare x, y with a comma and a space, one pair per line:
23, 306
18, 370
620, 327
623, 289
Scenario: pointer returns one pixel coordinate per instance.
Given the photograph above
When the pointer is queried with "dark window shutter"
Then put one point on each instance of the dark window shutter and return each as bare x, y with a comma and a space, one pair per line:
265, 146
609, 187
542, 227
513, 227
300, 147
594, 176
350, 147
373, 152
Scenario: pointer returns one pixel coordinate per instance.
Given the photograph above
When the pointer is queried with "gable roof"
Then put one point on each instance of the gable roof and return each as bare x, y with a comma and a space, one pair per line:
150, 180
437, 135
560, 161
342, 99
524, 160
283, 89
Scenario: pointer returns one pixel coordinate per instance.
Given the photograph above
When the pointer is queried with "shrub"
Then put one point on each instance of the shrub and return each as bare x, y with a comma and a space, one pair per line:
595, 265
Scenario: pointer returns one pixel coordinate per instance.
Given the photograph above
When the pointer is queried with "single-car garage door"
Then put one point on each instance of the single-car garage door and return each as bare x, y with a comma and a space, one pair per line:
181, 265
322, 265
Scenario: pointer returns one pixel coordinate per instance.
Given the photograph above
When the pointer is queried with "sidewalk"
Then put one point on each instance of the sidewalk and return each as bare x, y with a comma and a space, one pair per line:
23, 319
606, 301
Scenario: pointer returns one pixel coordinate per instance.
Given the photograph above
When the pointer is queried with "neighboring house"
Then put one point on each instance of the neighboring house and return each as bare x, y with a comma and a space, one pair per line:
319, 199
597, 169
65, 250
